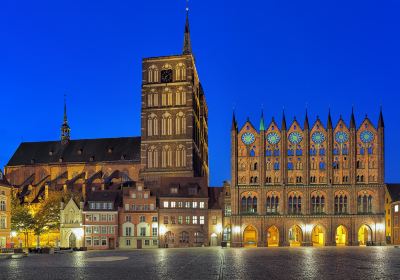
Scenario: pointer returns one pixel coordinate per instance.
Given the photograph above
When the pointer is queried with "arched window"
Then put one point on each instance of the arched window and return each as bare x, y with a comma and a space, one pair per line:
180, 123
290, 165
152, 125
336, 150
252, 153
166, 124
364, 204
180, 96
181, 156
180, 72
318, 204
268, 165
276, 153
322, 151
244, 205
152, 157
166, 157
322, 165
184, 237
152, 74
272, 204
345, 150
276, 165
341, 204
294, 204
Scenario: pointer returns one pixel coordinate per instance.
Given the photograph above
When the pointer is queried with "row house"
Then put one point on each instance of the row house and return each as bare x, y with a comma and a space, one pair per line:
5, 212
100, 222
138, 219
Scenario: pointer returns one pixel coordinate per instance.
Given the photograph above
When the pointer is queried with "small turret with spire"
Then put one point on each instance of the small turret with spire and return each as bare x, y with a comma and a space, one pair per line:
329, 119
262, 125
352, 120
283, 120
65, 129
381, 123
306, 124
187, 45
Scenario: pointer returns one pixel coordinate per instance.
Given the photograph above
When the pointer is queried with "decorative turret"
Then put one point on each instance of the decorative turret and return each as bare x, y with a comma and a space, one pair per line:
65, 129
329, 125
234, 123
381, 123
262, 125
283, 120
306, 124
187, 45
352, 120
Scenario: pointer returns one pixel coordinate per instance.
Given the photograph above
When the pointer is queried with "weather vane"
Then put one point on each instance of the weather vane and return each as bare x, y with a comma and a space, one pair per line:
187, 5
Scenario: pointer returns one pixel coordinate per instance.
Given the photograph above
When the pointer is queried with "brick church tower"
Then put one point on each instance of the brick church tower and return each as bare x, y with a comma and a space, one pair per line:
174, 117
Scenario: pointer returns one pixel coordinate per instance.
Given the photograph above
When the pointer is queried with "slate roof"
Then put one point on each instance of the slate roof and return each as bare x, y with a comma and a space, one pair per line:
394, 191
184, 184
103, 196
76, 151
3, 180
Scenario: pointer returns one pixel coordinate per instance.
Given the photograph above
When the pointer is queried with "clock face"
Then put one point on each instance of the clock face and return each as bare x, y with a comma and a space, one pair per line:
341, 137
295, 138
248, 138
166, 76
367, 136
273, 138
318, 137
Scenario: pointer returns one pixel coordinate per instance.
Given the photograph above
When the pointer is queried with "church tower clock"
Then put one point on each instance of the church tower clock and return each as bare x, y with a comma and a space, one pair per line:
174, 116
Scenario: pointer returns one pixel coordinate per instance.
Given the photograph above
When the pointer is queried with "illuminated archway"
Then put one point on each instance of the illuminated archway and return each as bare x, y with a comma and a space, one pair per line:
318, 236
364, 235
250, 237
295, 236
341, 236
273, 237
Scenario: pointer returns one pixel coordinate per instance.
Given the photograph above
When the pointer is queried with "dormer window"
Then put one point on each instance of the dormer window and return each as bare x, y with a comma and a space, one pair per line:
91, 158
174, 190
60, 159
123, 157
50, 153
80, 151
192, 191
110, 150
32, 161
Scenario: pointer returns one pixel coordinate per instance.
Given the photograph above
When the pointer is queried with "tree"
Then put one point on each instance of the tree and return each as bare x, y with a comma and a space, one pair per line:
21, 218
46, 215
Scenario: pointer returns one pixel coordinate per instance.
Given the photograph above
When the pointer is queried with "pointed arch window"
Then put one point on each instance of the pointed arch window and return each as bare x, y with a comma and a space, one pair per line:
364, 203
180, 123
166, 124
341, 204
152, 125
152, 74
272, 204
318, 204
181, 156
166, 157
294, 202
180, 72
152, 157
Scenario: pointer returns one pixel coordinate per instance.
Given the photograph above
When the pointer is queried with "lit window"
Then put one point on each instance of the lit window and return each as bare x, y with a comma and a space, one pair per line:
173, 204
165, 204
396, 208
195, 220
194, 204
201, 220
201, 204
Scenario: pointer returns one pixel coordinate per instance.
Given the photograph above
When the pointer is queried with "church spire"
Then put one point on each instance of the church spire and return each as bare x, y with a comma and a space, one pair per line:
65, 129
329, 119
352, 119
306, 124
262, 125
187, 45
381, 123
283, 121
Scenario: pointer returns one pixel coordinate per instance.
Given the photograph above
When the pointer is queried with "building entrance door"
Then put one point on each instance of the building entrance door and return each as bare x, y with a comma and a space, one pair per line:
111, 243
72, 240
139, 244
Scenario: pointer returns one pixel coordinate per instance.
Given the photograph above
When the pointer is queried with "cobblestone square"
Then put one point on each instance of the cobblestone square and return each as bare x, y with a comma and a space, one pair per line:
211, 263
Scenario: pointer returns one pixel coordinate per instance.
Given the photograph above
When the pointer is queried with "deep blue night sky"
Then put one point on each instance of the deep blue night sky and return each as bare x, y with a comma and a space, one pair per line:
250, 54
